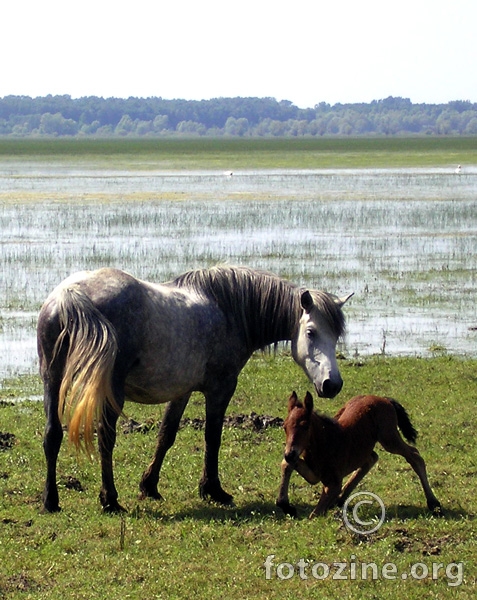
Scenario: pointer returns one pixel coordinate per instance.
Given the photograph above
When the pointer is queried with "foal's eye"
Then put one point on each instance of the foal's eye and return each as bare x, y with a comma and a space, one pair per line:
311, 334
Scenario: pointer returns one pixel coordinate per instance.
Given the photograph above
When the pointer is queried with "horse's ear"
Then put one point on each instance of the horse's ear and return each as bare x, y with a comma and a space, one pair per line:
341, 301
309, 402
292, 401
306, 301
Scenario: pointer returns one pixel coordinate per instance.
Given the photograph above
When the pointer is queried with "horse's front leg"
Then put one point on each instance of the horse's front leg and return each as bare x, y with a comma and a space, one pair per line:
216, 402
283, 501
167, 435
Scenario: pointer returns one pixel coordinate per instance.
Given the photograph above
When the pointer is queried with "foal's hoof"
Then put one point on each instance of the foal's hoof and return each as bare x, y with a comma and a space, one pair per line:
214, 492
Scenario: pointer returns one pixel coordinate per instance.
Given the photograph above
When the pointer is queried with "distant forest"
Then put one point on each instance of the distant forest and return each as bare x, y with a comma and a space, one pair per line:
22, 116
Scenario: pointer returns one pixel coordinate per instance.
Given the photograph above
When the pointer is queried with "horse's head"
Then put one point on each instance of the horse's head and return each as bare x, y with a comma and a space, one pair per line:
297, 427
314, 343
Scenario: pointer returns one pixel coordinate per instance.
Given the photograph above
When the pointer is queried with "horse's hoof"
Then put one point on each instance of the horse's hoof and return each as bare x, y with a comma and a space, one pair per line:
288, 509
110, 506
51, 502
153, 494
51, 509
435, 508
114, 509
214, 492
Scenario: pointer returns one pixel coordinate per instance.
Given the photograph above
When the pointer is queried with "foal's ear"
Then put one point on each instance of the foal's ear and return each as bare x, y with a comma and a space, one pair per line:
292, 401
309, 402
306, 301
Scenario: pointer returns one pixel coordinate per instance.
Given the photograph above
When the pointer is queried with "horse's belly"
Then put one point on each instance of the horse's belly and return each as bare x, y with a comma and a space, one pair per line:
156, 386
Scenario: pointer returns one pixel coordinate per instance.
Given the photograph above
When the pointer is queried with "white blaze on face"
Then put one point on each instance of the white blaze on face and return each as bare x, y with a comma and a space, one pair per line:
314, 348
315, 352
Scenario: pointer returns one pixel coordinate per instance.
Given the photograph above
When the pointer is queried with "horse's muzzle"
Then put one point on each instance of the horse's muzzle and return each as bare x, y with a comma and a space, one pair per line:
329, 388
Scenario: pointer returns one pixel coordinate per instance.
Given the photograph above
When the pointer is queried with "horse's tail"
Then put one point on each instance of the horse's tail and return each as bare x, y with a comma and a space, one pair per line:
404, 422
86, 383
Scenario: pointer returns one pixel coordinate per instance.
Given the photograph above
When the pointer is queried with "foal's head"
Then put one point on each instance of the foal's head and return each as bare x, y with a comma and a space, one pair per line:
297, 426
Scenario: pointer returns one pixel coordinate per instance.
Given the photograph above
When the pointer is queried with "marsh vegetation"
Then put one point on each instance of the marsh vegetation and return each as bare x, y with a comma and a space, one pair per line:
404, 239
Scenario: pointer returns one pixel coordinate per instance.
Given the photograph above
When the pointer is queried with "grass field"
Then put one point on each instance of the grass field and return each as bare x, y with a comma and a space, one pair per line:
243, 153
183, 547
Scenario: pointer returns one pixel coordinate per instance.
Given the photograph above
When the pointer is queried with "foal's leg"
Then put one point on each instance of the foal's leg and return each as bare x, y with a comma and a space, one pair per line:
51, 442
167, 435
217, 399
356, 477
304, 470
396, 445
328, 498
283, 501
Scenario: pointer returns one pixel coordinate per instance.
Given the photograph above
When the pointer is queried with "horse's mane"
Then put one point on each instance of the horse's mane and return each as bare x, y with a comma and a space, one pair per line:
263, 306
260, 304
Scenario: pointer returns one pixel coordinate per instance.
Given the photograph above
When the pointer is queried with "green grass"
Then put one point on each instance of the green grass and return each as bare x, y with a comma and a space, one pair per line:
242, 153
184, 548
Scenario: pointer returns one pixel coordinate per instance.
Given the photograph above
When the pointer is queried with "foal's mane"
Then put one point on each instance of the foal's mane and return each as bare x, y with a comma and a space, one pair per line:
264, 307
330, 428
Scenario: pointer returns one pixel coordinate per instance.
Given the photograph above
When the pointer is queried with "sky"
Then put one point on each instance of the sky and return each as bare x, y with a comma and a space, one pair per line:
305, 51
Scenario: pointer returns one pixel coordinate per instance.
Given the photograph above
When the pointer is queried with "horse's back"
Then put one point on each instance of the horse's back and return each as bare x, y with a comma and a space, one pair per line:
101, 286
118, 296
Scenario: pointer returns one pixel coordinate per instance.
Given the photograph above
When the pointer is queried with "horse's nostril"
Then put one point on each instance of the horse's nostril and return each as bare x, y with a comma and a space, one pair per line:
330, 389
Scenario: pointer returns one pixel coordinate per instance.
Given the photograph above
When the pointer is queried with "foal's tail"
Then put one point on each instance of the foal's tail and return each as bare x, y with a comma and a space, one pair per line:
404, 422
86, 384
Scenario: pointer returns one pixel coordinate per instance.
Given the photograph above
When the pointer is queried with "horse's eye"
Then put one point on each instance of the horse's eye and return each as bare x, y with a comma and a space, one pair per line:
311, 334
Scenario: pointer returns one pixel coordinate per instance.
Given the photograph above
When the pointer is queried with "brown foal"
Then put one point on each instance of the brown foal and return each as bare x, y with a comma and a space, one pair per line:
327, 449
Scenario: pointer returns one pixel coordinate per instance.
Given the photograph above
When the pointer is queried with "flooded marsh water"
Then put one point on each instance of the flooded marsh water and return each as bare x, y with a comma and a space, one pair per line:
405, 241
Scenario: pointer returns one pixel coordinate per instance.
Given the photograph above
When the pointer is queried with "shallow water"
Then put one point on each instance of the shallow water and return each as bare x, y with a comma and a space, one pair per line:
405, 241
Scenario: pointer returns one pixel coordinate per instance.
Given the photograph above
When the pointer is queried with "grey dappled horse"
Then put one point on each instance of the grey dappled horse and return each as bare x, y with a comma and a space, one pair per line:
105, 336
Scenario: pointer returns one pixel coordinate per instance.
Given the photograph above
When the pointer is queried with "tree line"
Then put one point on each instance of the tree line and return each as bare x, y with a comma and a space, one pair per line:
23, 116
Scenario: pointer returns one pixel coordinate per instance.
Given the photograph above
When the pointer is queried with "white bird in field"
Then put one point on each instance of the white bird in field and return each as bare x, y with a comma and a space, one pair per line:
458, 169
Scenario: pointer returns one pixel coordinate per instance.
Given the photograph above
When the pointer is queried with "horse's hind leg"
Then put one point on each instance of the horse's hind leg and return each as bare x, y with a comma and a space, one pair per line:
356, 477
52, 439
108, 495
396, 445
167, 435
